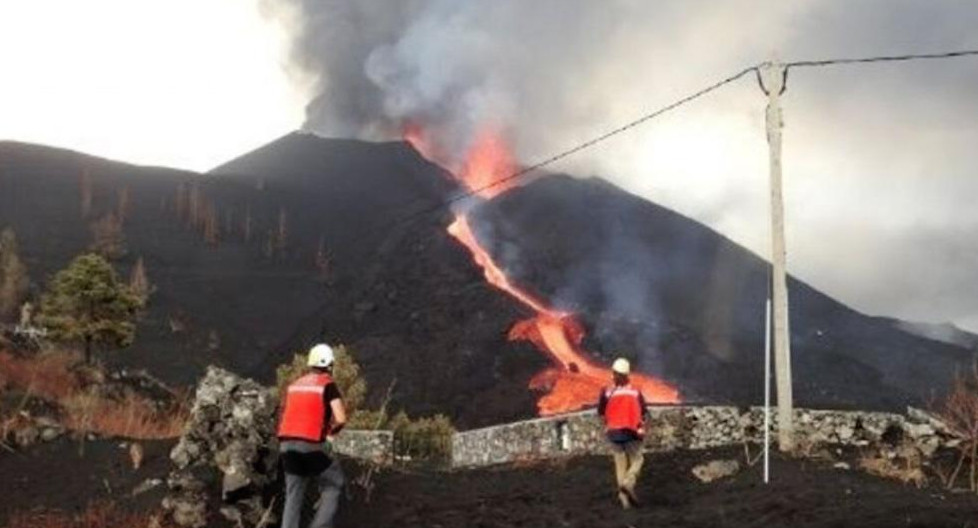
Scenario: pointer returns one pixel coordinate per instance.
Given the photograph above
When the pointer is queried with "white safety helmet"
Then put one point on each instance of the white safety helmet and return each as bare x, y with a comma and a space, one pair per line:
621, 366
321, 356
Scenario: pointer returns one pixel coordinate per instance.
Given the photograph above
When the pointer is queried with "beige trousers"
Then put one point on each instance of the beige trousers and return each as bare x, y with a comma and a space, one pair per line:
628, 463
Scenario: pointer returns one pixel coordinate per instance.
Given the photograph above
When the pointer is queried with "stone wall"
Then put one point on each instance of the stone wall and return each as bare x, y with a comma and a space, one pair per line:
373, 446
230, 442
692, 428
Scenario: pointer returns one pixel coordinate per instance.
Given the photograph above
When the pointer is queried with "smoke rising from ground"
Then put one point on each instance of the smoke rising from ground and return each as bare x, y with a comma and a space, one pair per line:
879, 161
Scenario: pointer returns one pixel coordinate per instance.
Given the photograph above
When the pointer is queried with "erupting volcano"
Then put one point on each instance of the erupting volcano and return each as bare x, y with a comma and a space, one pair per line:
575, 381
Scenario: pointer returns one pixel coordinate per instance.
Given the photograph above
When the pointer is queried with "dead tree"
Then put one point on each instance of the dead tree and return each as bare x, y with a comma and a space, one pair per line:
181, 202
139, 283
282, 234
212, 230
108, 238
123, 204
322, 261
85, 188
960, 413
246, 225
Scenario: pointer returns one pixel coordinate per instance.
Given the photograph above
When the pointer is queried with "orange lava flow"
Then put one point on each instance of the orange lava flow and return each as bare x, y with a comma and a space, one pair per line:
578, 380
575, 381
488, 164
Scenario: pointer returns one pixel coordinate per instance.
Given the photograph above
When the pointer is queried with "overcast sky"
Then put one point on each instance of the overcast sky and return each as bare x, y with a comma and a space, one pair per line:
880, 163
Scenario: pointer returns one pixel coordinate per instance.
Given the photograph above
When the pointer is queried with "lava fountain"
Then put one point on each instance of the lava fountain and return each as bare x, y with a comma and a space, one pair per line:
574, 381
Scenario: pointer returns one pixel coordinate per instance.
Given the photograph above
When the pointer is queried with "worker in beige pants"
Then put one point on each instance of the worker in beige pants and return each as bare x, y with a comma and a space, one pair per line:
624, 411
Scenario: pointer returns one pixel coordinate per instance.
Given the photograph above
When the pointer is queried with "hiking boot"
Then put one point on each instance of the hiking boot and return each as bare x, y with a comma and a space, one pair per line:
629, 495
626, 503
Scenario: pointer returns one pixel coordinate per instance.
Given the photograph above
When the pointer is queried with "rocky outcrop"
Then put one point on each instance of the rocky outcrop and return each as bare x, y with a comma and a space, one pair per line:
231, 429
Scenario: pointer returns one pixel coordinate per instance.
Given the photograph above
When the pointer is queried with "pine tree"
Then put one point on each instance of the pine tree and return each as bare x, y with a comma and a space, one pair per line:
14, 280
85, 303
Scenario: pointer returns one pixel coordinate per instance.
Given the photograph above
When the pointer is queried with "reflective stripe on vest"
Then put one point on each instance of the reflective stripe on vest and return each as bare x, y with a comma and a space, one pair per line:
623, 409
304, 417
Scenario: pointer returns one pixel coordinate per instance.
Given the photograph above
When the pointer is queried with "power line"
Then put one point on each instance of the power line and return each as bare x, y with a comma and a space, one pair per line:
883, 58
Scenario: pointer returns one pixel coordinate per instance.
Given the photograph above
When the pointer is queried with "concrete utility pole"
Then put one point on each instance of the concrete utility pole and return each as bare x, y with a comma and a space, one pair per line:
772, 78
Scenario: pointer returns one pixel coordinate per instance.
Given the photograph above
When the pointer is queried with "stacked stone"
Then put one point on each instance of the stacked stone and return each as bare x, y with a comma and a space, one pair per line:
376, 447
673, 428
713, 426
667, 430
232, 429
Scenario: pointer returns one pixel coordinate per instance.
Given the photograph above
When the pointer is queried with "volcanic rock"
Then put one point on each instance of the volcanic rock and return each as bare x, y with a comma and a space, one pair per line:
230, 431
26, 436
715, 470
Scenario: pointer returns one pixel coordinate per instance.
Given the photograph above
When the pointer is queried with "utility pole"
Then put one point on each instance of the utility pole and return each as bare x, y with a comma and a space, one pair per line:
773, 77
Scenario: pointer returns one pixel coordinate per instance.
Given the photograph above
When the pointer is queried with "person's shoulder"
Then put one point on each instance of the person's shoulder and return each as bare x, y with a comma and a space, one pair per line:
332, 391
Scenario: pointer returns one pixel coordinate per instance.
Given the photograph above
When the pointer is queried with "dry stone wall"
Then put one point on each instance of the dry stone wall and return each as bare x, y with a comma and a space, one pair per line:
694, 428
229, 444
373, 446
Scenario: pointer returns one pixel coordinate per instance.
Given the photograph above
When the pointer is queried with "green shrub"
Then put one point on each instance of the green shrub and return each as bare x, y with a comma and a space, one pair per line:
428, 438
346, 374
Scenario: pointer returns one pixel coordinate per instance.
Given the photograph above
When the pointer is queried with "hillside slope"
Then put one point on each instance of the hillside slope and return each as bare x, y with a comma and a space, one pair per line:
688, 303
407, 298
306, 238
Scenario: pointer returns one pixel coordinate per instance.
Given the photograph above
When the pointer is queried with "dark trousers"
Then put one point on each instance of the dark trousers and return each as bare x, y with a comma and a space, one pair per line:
330, 484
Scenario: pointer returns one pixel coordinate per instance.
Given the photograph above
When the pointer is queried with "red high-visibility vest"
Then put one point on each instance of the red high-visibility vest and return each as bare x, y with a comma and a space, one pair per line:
623, 409
304, 417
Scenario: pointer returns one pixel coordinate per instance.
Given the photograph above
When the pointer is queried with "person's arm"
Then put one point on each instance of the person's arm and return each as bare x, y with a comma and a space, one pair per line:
339, 415
645, 413
336, 413
602, 402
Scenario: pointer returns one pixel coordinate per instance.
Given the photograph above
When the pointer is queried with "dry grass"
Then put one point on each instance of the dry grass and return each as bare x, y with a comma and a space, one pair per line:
47, 375
131, 417
50, 377
907, 466
100, 515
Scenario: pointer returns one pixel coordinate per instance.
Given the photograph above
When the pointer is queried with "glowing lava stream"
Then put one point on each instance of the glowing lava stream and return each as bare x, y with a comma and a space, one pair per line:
578, 381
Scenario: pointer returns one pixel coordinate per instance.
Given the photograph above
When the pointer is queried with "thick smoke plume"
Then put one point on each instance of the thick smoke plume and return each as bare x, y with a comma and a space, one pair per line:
449, 67
878, 159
